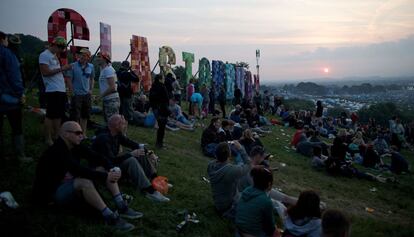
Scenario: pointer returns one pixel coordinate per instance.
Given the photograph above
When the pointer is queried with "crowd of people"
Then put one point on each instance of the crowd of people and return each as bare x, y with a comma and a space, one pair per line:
240, 172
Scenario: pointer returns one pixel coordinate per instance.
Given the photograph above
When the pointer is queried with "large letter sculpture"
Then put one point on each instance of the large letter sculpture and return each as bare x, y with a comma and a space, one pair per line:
105, 36
230, 80
188, 58
204, 73
218, 75
249, 85
240, 79
56, 26
140, 63
166, 59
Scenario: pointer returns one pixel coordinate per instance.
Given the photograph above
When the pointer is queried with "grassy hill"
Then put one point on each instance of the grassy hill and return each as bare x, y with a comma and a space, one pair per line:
184, 165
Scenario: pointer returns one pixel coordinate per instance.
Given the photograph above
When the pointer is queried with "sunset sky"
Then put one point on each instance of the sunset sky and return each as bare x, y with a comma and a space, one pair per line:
298, 39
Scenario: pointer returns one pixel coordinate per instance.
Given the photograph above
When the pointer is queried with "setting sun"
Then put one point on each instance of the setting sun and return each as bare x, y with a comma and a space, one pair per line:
326, 70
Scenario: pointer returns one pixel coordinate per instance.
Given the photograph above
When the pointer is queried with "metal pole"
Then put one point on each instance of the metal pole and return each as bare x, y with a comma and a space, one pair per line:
96, 52
155, 66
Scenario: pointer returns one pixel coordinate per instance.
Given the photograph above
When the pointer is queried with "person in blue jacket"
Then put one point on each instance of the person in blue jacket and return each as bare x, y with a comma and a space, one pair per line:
11, 97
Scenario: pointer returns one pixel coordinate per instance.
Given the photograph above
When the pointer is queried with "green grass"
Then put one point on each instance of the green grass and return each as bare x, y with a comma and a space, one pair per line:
184, 165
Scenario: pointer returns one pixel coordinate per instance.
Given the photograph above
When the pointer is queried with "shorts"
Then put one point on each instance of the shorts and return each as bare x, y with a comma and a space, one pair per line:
110, 107
65, 193
80, 107
55, 105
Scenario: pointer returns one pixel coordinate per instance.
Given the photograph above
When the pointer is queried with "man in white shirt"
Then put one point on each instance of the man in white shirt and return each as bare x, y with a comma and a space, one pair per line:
107, 86
55, 87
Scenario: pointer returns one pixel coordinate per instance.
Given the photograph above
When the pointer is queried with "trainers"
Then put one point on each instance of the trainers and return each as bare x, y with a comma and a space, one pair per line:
129, 213
119, 223
157, 196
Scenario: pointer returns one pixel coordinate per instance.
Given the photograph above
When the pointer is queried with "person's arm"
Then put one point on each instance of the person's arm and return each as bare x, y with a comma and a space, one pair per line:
95, 158
46, 71
237, 171
91, 80
77, 170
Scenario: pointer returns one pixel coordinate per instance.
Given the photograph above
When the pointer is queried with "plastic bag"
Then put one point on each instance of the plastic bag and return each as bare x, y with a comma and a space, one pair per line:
160, 183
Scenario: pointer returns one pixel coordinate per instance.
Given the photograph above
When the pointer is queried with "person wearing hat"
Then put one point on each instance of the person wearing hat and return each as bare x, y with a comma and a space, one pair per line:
11, 97
54, 82
108, 86
80, 84
125, 79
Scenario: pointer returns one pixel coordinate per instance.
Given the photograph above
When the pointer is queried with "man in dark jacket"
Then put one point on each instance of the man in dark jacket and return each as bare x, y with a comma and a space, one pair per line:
159, 102
136, 164
210, 137
125, 79
60, 178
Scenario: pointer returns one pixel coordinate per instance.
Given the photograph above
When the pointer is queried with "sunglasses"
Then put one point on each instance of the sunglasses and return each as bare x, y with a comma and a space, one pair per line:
78, 133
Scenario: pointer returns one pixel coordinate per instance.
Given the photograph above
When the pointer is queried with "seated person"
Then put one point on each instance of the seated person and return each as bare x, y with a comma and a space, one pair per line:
248, 140
141, 110
210, 138
254, 215
224, 177
279, 199
306, 147
398, 162
235, 114
318, 160
137, 165
380, 145
177, 114
335, 224
300, 132
60, 178
175, 125
304, 218
371, 159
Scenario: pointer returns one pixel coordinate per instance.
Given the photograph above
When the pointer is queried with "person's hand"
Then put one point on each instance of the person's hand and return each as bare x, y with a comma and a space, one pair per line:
138, 152
113, 176
66, 67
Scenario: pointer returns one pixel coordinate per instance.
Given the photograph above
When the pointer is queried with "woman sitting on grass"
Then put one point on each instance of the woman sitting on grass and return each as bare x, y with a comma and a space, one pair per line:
254, 216
304, 219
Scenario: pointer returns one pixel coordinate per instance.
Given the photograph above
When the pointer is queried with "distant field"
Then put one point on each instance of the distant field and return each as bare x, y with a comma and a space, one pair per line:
184, 164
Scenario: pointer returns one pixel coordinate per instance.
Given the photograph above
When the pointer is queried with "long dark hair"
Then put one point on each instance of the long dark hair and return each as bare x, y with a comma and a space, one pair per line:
307, 206
262, 177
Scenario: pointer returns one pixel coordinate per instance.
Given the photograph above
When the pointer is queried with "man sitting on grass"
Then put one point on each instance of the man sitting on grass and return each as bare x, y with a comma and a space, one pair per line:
224, 177
137, 165
60, 178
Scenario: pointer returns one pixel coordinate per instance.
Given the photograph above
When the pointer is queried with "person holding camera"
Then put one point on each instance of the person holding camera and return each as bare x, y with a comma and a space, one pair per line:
139, 164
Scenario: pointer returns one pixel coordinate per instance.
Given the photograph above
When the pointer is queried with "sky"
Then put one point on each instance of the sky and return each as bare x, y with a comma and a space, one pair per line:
298, 39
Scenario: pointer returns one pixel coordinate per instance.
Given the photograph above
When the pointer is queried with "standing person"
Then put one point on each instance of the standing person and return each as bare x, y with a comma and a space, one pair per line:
222, 101
107, 86
212, 104
319, 110
81, 84
206, 99
55, 87
177, 90
168, 82
190, 91
11, 86
125, 79
159, 103
237, 96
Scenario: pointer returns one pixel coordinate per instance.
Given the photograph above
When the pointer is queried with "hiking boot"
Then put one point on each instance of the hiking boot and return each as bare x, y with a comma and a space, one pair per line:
129, 213
118, 223
157, 196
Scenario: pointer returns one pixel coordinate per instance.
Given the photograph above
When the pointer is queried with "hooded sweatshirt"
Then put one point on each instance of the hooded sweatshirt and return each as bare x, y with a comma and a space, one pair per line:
311, 227
254, 214
224, 178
